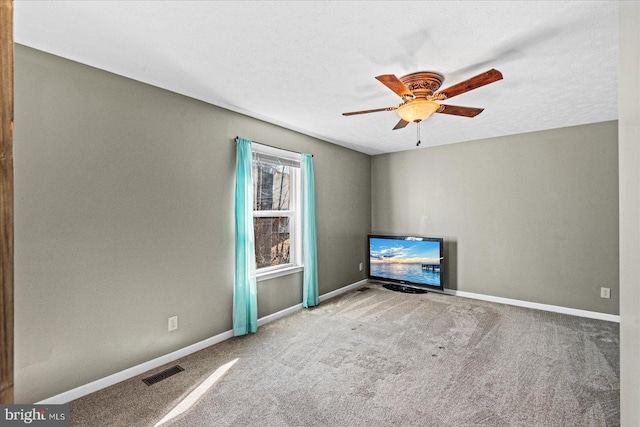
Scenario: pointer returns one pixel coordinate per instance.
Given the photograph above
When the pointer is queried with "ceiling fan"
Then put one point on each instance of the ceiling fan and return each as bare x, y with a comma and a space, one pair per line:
419, 93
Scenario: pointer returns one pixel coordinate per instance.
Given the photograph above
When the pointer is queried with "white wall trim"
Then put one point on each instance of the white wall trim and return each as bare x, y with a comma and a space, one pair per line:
268, 275
537, 306
282, 313
287, 311
343, 290
110, 380
126, 374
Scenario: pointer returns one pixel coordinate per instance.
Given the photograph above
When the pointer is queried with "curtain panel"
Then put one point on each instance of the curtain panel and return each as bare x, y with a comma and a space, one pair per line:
245, 305
310, 296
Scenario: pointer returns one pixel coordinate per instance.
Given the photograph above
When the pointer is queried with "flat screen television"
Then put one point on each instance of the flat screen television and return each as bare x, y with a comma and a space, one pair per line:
406, 263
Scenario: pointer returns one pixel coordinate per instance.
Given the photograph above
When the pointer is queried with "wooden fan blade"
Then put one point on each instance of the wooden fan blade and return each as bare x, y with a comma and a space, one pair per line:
369, 111
402, 123
485, 78
393, 83
459, 111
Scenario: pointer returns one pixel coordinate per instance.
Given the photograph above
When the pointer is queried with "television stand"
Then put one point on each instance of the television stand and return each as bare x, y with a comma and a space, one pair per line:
405, 289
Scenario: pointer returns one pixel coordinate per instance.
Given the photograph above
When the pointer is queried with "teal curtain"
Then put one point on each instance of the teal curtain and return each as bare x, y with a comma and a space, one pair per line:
310, 296
245, 306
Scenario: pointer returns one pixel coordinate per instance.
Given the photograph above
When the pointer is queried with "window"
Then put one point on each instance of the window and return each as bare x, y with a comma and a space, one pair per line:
276, 209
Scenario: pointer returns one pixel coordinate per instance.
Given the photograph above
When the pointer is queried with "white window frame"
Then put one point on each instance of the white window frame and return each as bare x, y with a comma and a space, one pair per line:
294, 213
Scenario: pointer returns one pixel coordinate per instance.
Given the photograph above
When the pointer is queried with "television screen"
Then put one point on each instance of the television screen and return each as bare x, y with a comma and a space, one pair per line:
405, 260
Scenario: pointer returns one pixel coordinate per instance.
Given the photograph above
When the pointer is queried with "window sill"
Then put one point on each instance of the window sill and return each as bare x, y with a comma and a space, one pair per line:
279, 272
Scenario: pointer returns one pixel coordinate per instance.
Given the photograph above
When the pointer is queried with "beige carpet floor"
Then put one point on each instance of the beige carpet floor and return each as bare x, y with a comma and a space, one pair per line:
374, 357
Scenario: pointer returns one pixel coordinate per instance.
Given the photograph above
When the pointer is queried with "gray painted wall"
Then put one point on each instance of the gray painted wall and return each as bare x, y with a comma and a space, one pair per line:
124, 217
629, 152
532, 217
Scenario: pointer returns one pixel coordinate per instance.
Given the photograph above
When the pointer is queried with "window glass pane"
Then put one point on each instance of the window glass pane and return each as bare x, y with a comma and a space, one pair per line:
271, 186
272, 241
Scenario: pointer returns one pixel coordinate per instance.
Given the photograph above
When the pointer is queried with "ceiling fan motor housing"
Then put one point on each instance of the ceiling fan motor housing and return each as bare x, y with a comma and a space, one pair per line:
423, 84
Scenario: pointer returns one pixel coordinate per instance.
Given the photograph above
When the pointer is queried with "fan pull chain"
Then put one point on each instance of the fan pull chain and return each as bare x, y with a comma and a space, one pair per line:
418, 144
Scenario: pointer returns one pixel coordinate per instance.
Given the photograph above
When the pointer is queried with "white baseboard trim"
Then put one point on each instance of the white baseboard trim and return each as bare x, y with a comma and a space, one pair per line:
343, 290
537, 306
110, 380
126, 374
282, 313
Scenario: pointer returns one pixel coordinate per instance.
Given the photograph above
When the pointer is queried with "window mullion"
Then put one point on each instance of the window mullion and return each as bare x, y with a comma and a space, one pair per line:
264, 214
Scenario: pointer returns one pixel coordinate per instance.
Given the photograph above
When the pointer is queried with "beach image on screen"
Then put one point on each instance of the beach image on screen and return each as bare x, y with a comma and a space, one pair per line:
416, 261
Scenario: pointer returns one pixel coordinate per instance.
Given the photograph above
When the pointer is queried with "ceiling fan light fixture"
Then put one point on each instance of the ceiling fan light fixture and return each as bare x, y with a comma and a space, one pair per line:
417, 110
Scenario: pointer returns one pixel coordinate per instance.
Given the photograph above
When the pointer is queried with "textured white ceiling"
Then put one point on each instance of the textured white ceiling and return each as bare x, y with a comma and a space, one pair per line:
301, 64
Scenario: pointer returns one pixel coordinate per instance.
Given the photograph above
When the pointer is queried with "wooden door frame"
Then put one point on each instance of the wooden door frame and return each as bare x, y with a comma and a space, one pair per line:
6, 202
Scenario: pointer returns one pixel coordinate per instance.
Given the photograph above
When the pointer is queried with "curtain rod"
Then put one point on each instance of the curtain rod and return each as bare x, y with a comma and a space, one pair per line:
292, 151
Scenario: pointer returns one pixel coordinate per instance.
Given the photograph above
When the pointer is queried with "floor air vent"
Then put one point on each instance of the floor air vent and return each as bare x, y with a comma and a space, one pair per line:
163, 375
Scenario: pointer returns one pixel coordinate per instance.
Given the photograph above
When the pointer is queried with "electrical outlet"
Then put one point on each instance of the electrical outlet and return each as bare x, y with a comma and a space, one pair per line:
605, 292
361, 266
173, 323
